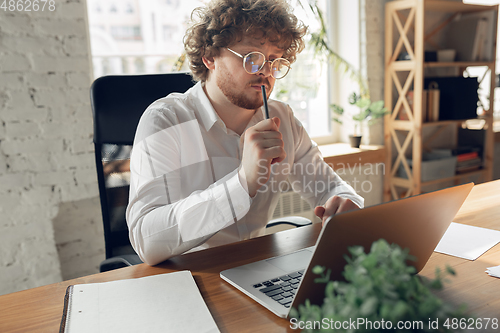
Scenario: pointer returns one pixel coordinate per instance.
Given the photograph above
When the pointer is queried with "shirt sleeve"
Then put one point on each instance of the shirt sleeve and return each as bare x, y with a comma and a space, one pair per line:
162, 223
311, 176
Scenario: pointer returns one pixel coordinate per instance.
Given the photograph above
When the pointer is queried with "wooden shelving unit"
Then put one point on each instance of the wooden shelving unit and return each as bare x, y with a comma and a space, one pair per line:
406, 29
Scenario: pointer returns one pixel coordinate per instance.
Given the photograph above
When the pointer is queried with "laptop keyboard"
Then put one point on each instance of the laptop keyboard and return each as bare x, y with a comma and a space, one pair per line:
281, 289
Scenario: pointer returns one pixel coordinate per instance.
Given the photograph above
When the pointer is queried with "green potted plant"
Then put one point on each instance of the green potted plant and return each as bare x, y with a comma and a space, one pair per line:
368, 111
382, 290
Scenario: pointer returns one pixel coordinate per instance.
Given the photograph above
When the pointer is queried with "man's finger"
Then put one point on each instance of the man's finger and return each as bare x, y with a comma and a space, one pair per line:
277, 121
346, 206
332, 207
319, 211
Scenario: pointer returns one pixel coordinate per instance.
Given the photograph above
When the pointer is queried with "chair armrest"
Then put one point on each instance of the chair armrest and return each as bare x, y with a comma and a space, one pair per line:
297, 221
119, 262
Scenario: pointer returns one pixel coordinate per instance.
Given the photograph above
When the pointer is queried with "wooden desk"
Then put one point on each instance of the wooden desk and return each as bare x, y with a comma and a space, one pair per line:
40, 309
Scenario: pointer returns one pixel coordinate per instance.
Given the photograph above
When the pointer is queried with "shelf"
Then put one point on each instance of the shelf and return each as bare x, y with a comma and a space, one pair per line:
402, 125
454, 7
475, 123
410, 26
441, 6
406, 65
405, 182
456, 177
402, 65
406, 125
434, 64
442, 123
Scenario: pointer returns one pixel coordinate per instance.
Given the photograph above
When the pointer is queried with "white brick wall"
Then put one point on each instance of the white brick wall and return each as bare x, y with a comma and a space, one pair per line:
50, 226
374, 44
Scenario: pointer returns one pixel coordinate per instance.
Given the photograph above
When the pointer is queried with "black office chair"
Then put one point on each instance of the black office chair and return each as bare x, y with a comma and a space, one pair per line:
117, 105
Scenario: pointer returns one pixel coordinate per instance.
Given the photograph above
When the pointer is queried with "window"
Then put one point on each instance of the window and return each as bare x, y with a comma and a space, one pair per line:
305, 88
125, 44
345, 27
129, 9
169, 33
126, 32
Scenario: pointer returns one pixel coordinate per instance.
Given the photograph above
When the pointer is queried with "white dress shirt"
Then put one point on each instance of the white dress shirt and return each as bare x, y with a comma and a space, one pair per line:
185, 192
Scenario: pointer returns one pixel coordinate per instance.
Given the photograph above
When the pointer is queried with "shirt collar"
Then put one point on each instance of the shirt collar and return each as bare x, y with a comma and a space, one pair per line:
204, 109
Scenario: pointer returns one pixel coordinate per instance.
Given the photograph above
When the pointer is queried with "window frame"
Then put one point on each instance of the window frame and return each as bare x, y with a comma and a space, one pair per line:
337, 13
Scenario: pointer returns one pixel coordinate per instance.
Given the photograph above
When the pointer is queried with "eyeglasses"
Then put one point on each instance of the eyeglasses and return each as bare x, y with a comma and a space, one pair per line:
255, 61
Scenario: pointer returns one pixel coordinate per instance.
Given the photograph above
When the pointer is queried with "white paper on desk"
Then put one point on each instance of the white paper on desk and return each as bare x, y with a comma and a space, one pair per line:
494, 271
160, 303
468, 242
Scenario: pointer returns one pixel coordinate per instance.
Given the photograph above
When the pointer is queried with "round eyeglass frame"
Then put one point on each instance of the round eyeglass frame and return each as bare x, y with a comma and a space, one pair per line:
287, 63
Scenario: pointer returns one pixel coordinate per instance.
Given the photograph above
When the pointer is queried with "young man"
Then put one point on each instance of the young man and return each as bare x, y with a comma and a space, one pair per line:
207, 167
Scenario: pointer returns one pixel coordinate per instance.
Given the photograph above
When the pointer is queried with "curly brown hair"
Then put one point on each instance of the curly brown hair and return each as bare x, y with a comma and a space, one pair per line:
223, 22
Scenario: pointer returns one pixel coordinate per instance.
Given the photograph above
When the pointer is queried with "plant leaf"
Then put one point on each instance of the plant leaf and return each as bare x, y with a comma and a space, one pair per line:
361, 116
318, 270
363, 103
368, 307
337, 109
377, 106
378, 285
353, 98
450, 270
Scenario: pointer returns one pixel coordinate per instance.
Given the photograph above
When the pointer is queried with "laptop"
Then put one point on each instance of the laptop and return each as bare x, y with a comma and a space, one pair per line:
416, 223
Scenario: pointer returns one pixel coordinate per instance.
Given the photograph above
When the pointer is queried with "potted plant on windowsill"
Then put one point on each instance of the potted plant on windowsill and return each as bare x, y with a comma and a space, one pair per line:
368, 111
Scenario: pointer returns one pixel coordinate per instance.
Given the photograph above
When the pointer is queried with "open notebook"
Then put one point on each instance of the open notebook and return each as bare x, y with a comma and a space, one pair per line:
159, 303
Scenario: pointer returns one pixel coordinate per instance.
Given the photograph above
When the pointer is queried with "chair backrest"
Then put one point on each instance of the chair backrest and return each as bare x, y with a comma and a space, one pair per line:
118, 102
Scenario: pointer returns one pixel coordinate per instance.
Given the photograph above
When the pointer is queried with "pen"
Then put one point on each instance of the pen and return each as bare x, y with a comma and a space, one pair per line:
264, 97
266, 109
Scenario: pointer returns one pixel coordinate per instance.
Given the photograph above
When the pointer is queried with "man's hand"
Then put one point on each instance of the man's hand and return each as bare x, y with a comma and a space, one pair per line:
262, 146
333, 206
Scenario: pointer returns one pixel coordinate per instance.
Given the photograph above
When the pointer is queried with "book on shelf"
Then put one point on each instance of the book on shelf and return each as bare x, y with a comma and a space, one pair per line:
469, 163
472, 36
488, 43
467, 156
479, 39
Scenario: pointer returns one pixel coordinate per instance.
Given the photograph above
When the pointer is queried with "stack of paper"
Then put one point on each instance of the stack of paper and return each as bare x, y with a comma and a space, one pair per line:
494, 271
468, 242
